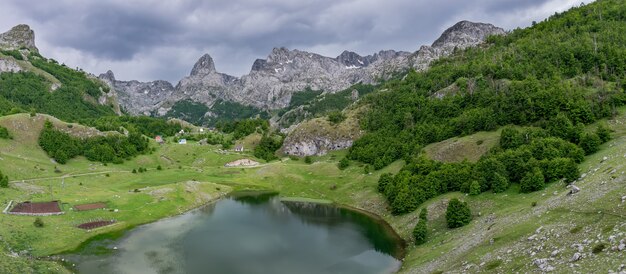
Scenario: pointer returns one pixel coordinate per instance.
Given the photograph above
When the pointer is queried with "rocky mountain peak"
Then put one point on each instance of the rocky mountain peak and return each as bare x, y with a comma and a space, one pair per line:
20, 36
203, 66
107, 76
352, 59
466, 34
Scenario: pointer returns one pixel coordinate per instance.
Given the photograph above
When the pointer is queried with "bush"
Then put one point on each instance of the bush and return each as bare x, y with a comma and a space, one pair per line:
604, 133
336, 117
343, 164
159, 167
308, 159
38, 222
384, 180
474, 188
500, 183
268, 146
598, 248
590, 143
458, 213
420, 232
424, 214
134, 170
532, 181
4, 180
4, 133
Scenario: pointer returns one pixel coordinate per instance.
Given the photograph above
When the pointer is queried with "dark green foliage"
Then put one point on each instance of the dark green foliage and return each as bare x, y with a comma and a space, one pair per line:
268, 146
145, 125
458, 213
71, 78
474, 188
308, 159
590, 143
190, 111
384, 180
343, 163
423, 214
223, 111
159, 167
134, 171
420, 232
500, 183
25, 90
303, 97
112, 148
243, 128
38, 222
366, 169
532, 181
604, 133
598, 248
4, 180
533, 76
336, 117
14, 53
320, 104
560, 168
4, 133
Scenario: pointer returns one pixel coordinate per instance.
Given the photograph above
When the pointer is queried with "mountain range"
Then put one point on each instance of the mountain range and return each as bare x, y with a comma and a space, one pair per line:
272, 82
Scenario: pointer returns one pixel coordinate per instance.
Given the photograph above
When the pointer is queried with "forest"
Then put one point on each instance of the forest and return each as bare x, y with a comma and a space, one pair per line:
106, 149
546, 84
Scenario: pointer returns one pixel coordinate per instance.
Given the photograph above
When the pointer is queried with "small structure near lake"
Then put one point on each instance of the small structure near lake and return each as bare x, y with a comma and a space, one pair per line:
37, 209
96, 224
239, 148
159, 139
242, 163
182, 141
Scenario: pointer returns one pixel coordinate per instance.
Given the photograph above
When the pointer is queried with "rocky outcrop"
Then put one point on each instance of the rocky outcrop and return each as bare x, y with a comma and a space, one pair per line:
272, 81
9, 65
138, 98
20, 36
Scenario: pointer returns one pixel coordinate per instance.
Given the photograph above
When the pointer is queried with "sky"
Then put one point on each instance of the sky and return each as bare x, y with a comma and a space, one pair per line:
161, 40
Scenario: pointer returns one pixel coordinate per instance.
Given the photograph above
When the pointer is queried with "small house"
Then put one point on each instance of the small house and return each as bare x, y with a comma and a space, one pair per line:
181, 132
159, 139
182, 141
239, 148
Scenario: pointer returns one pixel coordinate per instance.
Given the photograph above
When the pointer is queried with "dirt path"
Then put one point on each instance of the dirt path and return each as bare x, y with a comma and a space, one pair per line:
65, 176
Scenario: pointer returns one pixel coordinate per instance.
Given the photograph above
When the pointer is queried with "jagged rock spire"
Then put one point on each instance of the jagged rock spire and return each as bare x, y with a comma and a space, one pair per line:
20, 36
203, 66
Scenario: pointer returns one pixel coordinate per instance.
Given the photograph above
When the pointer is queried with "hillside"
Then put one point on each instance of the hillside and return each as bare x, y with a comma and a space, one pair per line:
31, 83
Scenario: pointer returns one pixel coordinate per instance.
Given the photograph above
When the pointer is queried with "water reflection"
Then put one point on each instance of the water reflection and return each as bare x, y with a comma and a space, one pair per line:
255, 234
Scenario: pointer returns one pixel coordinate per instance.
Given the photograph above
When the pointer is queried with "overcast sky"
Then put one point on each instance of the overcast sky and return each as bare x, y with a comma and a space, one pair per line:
157, 39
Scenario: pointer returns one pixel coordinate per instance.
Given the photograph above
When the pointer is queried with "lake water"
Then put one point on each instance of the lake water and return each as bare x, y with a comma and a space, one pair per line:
252, 234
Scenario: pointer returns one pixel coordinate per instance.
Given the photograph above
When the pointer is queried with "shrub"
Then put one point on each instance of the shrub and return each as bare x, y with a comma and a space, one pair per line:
134, 170
4, 180
424, 214
474, 188
308, 159
366, 169
159, 167
598, 248
384, 180
343, 164
336, 117
604, 133
38, 222
458, 213
532, 181
590, 143
420, 232
4, 133
500, 183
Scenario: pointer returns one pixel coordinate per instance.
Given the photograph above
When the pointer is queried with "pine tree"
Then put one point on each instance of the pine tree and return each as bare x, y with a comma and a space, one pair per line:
474, 188
420, 232
500, 183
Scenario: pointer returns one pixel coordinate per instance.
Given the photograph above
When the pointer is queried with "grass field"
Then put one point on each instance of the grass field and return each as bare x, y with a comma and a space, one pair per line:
193, 175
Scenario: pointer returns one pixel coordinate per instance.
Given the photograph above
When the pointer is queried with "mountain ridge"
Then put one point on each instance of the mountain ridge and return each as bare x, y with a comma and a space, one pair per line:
272, 81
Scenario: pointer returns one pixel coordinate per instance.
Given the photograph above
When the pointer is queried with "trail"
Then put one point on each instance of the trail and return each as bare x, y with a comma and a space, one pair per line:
66, 176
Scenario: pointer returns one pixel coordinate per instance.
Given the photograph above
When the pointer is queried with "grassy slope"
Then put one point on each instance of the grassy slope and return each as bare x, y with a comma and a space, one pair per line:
469, 147
507, 218
29, 67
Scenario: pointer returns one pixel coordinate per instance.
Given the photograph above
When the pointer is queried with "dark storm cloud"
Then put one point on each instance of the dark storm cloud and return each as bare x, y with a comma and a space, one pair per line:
151, 39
